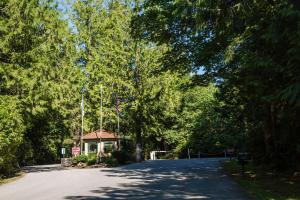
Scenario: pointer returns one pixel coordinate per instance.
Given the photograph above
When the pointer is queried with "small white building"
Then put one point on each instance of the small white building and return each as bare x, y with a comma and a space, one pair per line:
101, 142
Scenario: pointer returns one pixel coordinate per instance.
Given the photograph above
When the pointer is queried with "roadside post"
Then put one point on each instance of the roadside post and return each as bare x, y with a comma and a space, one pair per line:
63, 152
243, 158
65, 162
230, 152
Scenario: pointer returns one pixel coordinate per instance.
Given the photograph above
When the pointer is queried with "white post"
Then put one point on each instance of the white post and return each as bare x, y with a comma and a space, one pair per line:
152, 155
98, 148
119, 140
101, 102
82, 114
86, 148
102, 147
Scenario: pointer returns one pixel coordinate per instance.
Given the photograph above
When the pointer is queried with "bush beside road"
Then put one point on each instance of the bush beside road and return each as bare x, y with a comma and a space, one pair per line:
265, 184
12, 178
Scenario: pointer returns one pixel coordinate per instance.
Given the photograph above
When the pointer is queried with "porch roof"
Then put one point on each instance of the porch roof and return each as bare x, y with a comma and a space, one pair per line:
105, 134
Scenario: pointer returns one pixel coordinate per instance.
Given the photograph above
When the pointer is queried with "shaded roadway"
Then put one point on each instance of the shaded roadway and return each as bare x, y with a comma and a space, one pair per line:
160, 179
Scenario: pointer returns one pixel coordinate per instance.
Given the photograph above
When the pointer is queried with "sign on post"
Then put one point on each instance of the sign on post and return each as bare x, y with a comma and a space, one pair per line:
63, 152
75, 151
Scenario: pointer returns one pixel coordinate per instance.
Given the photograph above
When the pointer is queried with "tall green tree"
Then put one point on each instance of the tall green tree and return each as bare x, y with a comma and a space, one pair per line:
37, 68
128, 70
104, 56
11, 134
240, 43
156, 95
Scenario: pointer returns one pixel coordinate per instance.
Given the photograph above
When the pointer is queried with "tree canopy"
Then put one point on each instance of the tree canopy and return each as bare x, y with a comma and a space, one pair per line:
199, 76
251, 49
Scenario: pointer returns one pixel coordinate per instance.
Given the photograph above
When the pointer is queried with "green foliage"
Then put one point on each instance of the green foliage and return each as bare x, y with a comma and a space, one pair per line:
110, 161
129, 70
108, 148
92, 159
240, 44
122, 156
158, 58
199, 125
264, 183
38, 70
91, 155
11, 134
44, 66
81, 158
104, 57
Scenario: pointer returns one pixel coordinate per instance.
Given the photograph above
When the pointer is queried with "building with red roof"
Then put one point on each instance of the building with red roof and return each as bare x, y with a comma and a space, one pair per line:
100, 142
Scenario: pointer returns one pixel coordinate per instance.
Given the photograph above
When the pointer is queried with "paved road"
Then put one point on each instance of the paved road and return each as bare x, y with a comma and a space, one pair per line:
161, 179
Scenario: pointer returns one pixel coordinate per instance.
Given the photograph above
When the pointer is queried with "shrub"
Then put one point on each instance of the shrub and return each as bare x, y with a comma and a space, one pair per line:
92, 159
122, 156
92, 155
111, 161
108, 148
80, 158
168, 155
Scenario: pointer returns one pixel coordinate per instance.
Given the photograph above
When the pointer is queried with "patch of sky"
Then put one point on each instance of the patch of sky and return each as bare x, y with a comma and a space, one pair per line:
200, 71
65, 9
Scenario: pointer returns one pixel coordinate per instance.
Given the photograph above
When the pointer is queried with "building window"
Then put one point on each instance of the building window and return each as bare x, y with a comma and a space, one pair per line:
108, 147
93, 148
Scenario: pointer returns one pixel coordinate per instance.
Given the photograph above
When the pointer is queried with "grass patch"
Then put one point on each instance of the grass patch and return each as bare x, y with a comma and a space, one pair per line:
11, 179
265, 184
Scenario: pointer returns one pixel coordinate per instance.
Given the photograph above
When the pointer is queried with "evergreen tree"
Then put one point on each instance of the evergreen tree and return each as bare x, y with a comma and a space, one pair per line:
240, 43
36, 67
11, 134
128, 70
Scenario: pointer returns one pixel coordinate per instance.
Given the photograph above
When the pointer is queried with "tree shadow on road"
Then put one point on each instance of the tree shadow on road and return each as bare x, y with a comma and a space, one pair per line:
43, 168
167, 181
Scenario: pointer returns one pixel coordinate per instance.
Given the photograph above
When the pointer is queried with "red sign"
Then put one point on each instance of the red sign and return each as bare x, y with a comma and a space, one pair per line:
75, 151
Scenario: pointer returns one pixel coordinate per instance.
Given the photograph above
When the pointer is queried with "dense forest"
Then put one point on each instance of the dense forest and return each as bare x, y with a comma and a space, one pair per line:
199, 75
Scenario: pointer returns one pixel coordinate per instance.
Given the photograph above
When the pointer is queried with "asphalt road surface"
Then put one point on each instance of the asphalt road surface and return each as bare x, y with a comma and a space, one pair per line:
160, 179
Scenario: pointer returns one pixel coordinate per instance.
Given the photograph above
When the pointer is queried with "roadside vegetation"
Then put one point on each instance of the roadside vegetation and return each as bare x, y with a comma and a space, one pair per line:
83, 161
13, 177
265, 183
188, 76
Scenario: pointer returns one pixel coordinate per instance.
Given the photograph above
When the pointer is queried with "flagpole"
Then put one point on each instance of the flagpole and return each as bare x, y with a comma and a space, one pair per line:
118, 115
118, 122
119, 130
82, 113
101, 102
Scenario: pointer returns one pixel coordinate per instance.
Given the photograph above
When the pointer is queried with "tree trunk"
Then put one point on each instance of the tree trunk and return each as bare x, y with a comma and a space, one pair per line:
138, 145
269, 136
